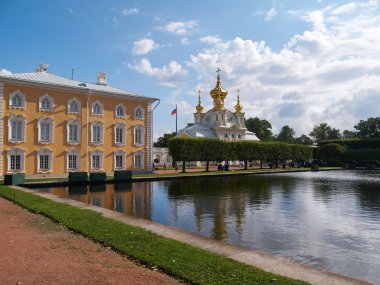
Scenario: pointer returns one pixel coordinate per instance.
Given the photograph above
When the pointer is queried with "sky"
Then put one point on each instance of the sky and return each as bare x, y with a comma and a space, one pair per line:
297, 63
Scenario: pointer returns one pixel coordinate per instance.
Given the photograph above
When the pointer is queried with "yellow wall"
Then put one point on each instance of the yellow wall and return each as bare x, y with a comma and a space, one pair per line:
60, 116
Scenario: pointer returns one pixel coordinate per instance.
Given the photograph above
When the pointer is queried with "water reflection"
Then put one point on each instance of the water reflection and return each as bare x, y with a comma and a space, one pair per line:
326, 219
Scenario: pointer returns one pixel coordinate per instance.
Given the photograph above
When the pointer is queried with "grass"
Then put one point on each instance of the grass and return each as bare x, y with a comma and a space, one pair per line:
177, 259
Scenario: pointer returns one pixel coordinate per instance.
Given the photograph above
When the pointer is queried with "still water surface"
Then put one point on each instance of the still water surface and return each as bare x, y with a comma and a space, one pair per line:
330, 220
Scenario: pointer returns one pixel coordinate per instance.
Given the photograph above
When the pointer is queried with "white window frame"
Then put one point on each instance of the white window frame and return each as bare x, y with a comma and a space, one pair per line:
77, 123
18, 119
51, 129
139, 116
119, 116
75, 153
123, 154
22, 100
47, 98
15, 151
123, 139
49, 154
101, 125
73, 100
100, 153
101, 109
142, 141
135, 155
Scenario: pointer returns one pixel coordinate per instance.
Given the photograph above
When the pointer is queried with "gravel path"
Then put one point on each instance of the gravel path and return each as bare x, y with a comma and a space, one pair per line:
34, 250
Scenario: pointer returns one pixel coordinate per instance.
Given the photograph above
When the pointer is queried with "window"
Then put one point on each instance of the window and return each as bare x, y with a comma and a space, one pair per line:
239, 136
225, 135
45, 130
73, 131
139, 159
74, 106
119, 134
96, 160
15, 159
72, 158
233, 136
97, 108
46, 103
139, 113
119, 157
44, 161
17, 100
120, 111
16, 128
97, 133
139, 135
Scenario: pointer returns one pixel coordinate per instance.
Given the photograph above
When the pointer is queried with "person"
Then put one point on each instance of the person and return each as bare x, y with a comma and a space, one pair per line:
164, 167
154, 167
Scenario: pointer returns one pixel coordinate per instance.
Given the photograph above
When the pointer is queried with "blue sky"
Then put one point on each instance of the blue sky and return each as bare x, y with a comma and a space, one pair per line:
295, 62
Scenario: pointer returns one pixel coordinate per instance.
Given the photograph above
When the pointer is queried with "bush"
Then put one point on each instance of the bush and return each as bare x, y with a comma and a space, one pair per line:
331, 153
356, 143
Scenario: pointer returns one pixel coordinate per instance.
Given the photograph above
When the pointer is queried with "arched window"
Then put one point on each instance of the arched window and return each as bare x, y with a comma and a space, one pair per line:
97, 108
73, 131
239, 136
225, 136
138, 159
97, 133
96, 160
74, 106
16, 128
44, 160
73, 160
45, 130
139, 135
119, 158
120, 134
120, 111
17, 100
232, 136
46, 103
15, 159
139, 113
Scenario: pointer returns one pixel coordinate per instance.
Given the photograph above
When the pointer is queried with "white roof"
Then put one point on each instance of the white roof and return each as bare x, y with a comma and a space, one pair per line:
55, 80
197, 131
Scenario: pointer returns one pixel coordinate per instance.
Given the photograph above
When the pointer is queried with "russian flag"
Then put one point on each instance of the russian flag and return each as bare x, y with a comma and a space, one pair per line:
174, 112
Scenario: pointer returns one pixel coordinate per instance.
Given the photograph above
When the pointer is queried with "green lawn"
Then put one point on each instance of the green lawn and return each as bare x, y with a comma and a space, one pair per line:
183, 261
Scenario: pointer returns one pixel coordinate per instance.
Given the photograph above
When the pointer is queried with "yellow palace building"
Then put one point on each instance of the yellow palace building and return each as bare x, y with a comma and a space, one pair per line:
52, 125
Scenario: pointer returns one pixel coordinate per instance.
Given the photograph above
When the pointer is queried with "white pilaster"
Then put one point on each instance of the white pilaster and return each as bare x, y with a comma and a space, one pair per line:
149, 137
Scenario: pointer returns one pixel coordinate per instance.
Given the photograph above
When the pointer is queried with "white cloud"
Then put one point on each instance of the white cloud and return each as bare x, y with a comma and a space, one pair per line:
132, 11
170, 75
185, 41
178, 28
270, 14
344, 8
329, 73
144, 46
115, 22
4, 71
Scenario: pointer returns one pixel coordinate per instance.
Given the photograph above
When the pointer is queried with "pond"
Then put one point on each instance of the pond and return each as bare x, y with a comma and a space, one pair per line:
330, 220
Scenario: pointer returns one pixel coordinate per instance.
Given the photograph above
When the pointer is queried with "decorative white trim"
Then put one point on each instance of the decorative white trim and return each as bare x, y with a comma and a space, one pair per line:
69, 110
75, 153
77, 123
16, 151
51, 130
49, 153
139, 113
22, 98
123, 139
123, 154
100, 153
97, 111
135, 155
120, 107
1, 126
138, 141
17, 118
149, 136
97, 124
50, 102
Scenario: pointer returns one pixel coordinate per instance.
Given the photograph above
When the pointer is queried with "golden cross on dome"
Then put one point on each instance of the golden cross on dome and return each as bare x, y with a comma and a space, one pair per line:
218, 71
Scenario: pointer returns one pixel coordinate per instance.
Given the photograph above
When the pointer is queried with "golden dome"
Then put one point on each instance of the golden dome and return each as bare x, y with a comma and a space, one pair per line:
218, 91
199, 107
238, 107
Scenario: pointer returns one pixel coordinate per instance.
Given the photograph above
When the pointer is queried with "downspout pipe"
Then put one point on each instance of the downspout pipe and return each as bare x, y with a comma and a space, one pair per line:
158, 103
87, 127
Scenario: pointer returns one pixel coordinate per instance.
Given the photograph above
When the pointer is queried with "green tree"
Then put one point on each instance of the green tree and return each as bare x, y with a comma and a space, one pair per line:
369, 128
261, 128
304, 140
286, 134
349, 134
324, 132
331, 152
163, 141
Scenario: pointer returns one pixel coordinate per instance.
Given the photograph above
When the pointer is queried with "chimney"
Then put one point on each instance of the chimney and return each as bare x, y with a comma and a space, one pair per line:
43, 67
102, 78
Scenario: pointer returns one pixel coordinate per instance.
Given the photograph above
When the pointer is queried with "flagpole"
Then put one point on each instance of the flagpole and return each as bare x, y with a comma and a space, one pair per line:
176, 114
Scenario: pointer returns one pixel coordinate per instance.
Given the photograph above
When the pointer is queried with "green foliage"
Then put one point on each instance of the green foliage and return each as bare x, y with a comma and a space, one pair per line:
331, 151
361, 155
369, 128
347, 135
324, 132
304, 140
356, 143
261, 128
163, 141
193, 265
286, 134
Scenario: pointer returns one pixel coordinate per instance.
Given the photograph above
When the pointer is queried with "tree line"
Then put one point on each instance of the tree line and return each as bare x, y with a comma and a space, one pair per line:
212, 149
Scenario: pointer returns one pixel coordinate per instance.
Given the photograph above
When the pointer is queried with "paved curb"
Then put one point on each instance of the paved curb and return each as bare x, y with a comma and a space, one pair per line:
251, 257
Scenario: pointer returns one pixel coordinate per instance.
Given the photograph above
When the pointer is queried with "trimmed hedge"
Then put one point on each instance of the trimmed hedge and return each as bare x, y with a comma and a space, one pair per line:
356, 143
361, 155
